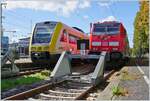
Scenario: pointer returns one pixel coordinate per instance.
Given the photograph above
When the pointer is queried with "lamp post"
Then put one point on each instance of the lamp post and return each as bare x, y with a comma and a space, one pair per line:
1, 18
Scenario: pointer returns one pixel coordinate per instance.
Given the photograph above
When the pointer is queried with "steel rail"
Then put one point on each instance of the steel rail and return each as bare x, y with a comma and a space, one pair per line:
27, 72
46, 87
82, 95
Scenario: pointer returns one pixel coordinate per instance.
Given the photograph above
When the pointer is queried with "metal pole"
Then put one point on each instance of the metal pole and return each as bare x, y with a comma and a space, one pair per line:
1, 18
31, 26
1, 29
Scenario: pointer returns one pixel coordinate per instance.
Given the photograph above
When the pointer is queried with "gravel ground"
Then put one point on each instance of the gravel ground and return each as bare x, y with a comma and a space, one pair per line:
136, 86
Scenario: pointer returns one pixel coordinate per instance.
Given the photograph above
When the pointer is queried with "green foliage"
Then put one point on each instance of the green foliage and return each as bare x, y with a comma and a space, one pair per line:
141, 29
24, 80
7, 84
116, 90
46, 72
119, 91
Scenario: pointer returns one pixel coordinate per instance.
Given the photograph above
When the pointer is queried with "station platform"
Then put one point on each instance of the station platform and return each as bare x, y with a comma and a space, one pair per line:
134, 85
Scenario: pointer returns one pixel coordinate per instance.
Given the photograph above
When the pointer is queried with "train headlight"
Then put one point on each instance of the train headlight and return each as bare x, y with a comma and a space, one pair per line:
114, 49
115, 43
96, 43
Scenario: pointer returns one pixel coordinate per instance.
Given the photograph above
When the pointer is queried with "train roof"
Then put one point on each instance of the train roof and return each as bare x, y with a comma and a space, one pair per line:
107, 22
46, 22
78, 29
55, 22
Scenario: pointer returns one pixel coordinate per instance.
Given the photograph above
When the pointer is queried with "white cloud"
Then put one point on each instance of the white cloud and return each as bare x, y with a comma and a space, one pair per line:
105, 3
85, 4
85, 16
62, 7
109, 18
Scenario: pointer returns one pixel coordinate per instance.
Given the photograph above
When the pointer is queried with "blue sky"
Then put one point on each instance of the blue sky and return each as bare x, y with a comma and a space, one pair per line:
20, 15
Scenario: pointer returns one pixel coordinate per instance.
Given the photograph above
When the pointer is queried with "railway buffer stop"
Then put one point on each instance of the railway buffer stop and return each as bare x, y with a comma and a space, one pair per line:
10, 55
63, 65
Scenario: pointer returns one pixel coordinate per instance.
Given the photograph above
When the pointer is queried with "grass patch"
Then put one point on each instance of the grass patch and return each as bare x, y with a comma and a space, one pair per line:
24, 80
117, 90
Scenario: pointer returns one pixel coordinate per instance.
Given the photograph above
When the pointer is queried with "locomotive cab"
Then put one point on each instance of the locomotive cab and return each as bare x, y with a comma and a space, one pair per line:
41, 40
110, 37
50, 39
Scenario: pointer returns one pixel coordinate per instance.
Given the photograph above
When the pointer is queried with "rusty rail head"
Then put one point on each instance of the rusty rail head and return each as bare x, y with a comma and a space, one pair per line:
82, 95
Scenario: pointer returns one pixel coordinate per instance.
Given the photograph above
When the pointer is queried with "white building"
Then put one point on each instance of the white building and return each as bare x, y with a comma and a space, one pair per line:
23, 46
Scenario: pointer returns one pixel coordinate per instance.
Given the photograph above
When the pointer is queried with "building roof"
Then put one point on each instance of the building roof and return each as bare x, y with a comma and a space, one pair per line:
25, 38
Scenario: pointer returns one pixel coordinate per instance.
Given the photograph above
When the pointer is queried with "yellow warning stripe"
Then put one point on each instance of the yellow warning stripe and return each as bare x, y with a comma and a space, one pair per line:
55, 37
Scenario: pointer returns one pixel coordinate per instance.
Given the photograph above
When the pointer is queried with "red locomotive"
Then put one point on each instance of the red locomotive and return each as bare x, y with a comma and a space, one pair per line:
109, 36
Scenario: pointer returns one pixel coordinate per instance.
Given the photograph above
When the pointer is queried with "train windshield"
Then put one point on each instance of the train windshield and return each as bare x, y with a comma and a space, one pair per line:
112, 30
106, 28
43, 33
99, 29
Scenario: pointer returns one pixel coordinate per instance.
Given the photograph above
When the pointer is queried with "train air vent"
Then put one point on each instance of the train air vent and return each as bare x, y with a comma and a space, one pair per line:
39, 48
33, 48
45, 48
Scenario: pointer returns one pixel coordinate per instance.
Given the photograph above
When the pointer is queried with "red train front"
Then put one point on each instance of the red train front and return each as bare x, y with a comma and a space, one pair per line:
111, 37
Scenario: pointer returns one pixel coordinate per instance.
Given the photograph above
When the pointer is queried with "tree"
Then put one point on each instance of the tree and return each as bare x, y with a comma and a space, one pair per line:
141, 29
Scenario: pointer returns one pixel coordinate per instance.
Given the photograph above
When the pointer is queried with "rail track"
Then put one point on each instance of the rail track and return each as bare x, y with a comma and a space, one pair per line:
73, 87
25, 68
21, 73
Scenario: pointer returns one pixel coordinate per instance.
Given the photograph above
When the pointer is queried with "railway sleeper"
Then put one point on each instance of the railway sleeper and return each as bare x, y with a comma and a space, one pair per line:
43, 96
79, 80
79, 84
83, 81
69, 90
73, 87
61, 94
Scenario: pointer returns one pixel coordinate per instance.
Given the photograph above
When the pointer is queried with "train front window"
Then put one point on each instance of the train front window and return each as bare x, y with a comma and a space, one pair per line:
99, 30
112, 30
106, 28
43, 33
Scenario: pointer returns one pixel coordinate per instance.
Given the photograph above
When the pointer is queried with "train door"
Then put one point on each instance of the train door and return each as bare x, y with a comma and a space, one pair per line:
70, 42
64, 40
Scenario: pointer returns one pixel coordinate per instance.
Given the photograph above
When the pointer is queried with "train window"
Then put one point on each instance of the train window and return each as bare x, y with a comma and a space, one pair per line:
64, 36
42, 34
106, 28
72, 39
99, 29
112, 30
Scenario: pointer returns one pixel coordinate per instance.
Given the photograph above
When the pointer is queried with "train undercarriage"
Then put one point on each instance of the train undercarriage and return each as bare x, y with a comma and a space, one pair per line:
114, 60
44, 58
